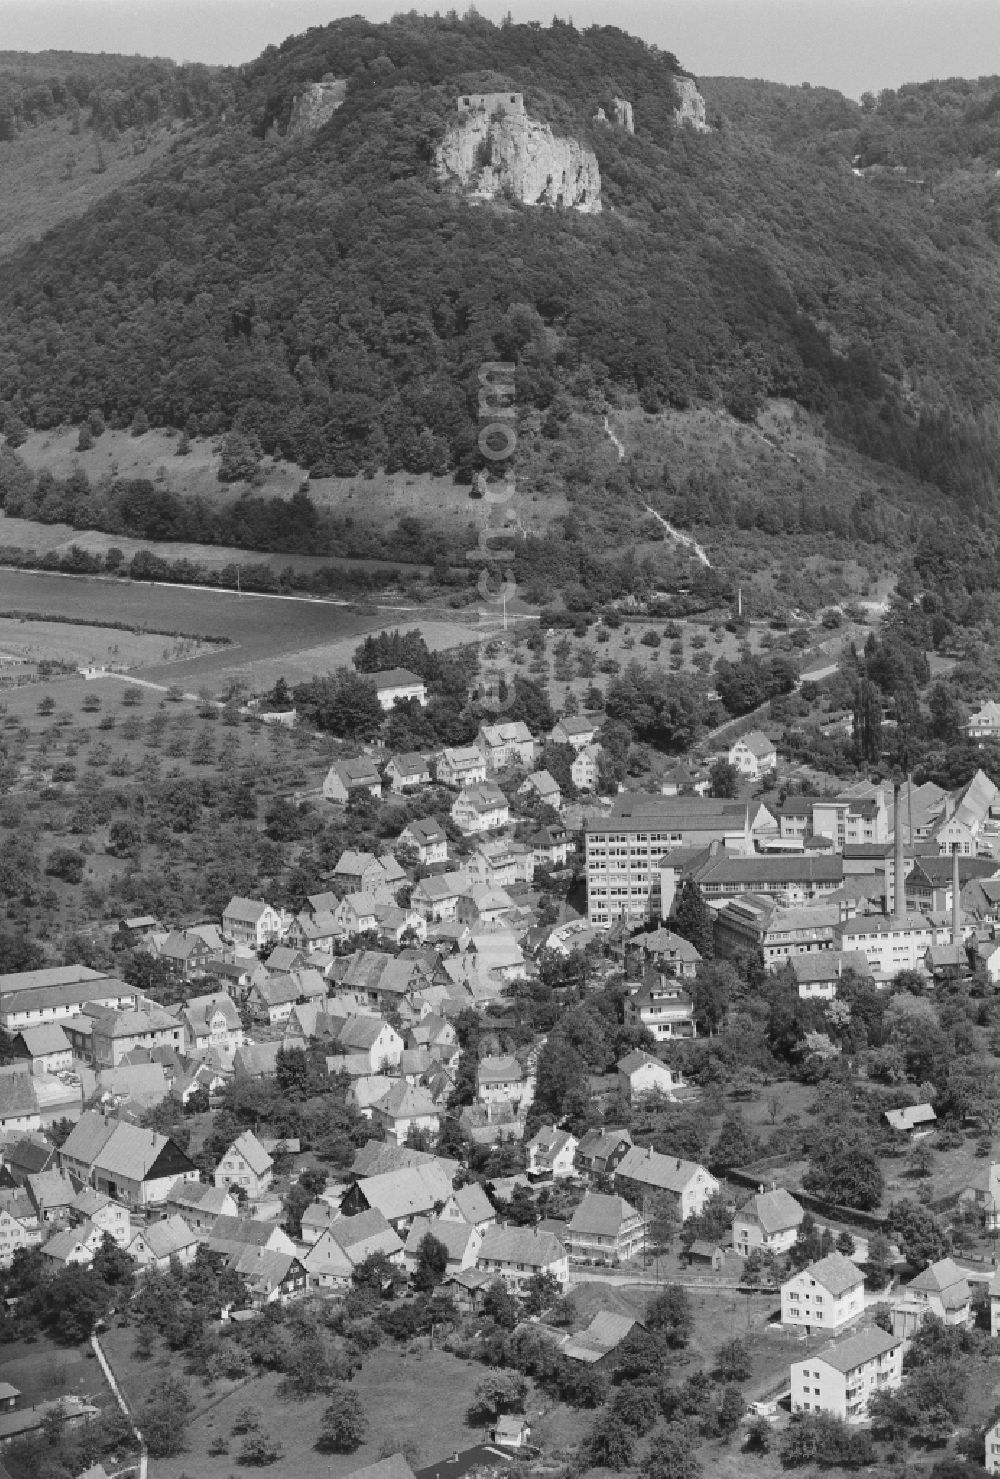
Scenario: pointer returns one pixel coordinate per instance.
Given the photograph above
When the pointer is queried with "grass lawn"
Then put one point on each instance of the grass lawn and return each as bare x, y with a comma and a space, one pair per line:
41, 1370
414, 1401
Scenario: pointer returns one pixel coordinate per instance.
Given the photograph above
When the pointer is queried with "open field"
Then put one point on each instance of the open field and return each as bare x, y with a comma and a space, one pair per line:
30, 534
35, 641
417, 1401
42, 1370
381, 499
49, 174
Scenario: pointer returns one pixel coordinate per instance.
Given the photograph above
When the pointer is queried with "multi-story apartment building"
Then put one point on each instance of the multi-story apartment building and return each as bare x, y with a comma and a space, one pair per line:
840, 1380
826, 1295
663, 1007
794, 879
754, 922
624, 849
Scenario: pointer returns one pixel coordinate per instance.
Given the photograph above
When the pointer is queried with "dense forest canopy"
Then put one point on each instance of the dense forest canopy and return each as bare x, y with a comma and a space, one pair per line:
325, 295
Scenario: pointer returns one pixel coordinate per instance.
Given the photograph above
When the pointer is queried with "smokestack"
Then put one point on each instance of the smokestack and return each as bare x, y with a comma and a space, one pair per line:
898, 885
956, 893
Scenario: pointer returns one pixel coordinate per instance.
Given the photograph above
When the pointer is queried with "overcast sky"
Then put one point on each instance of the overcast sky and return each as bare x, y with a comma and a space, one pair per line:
854, 45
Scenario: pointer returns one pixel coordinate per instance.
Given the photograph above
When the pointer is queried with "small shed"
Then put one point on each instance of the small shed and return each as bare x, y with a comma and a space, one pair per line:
708, 1255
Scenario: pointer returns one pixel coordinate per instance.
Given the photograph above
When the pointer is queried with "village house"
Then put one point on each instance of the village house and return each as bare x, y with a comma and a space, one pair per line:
551, 1154
943, 1288
404, 1108
754, 755
345, 777
30, 998
411, 1191
284, 959
17, 1229
314, 932
668, 953
29, 1101
108, 1216
71, 1245
840, 1379
357, 914
601, 1152
984, 724
662, 1007
575, 731
471, 1205
639, 1073
247, 1165
271, 1276
158, 1243
52, 1194
270, 999
550, 847
819, 975
544, 786
46, 1048
585, 768
372, 1037
645, 1172
132, 1165
483, 904
502, 1079
503, 745
481, 808
212, 1022
185, 953
106, 1036
518, 1254
436, 898
428, 839
407, 772
251, 923
605, 1229
913, 1121
826, 1295
344, 1242
362, 872
461, 1241
458, 767
992, 1447
200, 1205
398, 685
769, 1220
229, 1237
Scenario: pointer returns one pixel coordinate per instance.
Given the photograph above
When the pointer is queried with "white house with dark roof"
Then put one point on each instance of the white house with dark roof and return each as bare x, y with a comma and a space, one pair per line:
398, 685
411, 1191
826, 1295
200, 1204
991, 1461
643, 1171
574, 730
341, 1243
502, 1079
503, 745
819, 974
436, 898
470, 1204
544, 786
47, 1048
663, 1007
943, 1287
769, 1220
517, 1254
480, 808
345, 777
246, 1164
841, 1379
156, 1244
605, 1229
427, 838
461, 1241
585, 768
251, 923
461, 766
640, 1073
407, 772
404, 1108
753, 754
212, 1021
551, 1153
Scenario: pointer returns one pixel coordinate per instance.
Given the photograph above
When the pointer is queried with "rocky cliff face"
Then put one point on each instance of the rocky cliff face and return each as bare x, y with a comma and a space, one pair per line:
490, 157
316, 105
692, 104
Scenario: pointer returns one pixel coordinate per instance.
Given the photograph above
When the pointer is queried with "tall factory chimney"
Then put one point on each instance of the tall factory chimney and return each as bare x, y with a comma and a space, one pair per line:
898, 883
956, 894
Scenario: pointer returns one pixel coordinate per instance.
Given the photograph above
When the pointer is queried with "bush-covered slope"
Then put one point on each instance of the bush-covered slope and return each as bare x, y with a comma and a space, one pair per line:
327, 295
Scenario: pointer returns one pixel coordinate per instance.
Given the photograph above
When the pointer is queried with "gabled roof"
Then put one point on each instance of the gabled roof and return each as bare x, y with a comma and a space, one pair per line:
249, 1147
168, 1236
776, 1211
410, 1190
500, 1068
455, 1236
604, 1334
649, 1168
244, 1232
247, 911
353, 863
48, 1038
200, 1197
473, 1203
363, 1234
910, 1116
601, 1214
394, 1467
835, 1273
131, 1152
426, 832
18, 1099
638, 1059
376, 1157
599, 1144
946, 1280
406, 1101
866, 1345
395, 678
526, 1245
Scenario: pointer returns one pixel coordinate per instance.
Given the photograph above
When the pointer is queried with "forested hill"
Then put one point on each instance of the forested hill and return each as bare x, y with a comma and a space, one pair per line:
325, 293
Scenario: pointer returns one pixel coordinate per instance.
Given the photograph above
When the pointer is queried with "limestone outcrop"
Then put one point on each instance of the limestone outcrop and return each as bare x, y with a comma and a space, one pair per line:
316, 105
496, 153
691, 104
